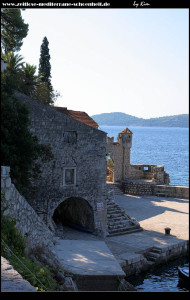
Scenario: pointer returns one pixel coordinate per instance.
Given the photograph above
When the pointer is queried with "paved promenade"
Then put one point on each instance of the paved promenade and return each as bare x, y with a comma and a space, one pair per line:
90, 253
154, 214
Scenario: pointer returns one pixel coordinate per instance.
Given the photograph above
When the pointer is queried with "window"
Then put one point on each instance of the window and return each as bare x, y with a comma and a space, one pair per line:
146, 168
69, 176
70, 137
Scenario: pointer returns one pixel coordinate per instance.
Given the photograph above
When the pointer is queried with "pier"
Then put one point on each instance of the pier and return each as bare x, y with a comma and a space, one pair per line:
100, 264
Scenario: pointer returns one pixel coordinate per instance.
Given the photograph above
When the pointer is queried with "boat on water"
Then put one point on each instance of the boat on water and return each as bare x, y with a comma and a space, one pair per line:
183, 273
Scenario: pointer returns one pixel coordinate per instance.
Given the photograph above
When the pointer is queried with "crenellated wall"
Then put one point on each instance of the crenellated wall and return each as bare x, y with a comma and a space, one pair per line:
123, 170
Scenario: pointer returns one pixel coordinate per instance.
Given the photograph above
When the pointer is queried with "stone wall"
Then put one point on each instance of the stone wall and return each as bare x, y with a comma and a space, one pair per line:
29, 224
120, 153
137, 187
155, 173
79, 154
137, 263
172, 191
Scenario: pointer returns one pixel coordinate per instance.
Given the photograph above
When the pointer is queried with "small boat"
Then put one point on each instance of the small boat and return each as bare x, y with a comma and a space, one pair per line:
78, 227
183, 273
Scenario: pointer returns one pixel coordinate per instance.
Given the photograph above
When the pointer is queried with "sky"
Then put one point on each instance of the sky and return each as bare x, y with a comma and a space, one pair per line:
133, 61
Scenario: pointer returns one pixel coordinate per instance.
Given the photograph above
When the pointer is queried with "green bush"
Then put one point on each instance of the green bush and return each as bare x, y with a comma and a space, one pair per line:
12, 248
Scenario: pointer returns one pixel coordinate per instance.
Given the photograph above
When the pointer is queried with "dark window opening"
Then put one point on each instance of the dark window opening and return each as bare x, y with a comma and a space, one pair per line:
70, 137
69, 176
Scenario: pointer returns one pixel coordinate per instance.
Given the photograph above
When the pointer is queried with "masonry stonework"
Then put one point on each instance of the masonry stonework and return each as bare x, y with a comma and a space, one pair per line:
123, 171
29, 224
77, 172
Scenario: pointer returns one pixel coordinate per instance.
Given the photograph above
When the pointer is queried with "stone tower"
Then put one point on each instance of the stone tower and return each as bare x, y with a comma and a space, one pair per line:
125, 140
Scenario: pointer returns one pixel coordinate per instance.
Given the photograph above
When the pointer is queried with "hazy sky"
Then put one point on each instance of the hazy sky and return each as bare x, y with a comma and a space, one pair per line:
114, 60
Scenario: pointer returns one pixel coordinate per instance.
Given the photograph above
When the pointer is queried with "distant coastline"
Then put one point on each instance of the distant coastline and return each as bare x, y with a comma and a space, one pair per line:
122, 119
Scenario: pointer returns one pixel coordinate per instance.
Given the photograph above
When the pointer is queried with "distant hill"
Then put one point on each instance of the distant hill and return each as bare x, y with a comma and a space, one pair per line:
122, 119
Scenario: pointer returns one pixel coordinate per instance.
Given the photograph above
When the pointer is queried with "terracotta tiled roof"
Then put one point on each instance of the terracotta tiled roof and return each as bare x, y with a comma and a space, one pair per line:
126, 130
78, 115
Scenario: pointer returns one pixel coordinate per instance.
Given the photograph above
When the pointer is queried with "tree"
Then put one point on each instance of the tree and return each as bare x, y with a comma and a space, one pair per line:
12, 75
29, 80
13, 29
14, 61
44, 63
42, 93
45, 92
19, 148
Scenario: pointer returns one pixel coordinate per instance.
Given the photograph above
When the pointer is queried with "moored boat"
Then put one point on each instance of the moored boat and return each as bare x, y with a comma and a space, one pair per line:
183, 273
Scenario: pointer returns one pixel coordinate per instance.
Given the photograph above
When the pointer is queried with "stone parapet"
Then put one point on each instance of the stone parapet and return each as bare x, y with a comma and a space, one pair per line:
171, 191
145, 187
137, 187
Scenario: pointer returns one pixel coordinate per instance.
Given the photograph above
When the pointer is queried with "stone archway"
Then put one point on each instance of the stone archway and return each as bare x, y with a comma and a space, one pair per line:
74, 211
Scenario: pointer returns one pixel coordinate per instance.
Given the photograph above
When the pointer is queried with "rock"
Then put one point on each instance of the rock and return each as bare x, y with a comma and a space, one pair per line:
69, 285
126, 286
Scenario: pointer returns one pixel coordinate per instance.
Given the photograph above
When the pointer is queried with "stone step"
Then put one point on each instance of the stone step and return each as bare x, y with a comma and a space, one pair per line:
120, 223
115, 215
113, 210
120, 232
153, 254
118, 227
151, 258
156, 250
111, 204
113, 187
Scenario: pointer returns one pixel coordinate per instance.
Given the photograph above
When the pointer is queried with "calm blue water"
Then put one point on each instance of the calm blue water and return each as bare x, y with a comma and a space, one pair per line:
162, 278
159, 146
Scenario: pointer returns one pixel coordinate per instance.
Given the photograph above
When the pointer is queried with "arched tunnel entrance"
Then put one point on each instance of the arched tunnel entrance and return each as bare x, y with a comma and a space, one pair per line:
76, 213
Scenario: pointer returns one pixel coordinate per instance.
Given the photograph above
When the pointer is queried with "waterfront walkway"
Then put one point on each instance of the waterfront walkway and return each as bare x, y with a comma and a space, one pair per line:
154, 214
88, 253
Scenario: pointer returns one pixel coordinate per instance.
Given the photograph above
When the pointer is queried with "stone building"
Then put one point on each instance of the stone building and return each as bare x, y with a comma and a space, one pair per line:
119, 153
72, 186
136, 179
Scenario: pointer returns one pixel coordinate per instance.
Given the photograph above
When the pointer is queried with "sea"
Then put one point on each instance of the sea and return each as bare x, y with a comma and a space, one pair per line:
167, 146
163, 278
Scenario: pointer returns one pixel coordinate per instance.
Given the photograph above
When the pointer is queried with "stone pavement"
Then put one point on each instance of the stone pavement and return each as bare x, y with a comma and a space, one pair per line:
154, 214
86, 257
11, 280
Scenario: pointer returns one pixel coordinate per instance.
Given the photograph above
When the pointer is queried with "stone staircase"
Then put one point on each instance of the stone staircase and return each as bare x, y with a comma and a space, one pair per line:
153, 254
115, 188
118, 222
